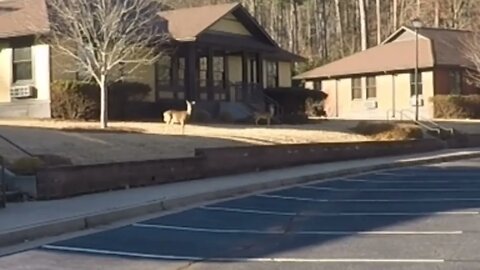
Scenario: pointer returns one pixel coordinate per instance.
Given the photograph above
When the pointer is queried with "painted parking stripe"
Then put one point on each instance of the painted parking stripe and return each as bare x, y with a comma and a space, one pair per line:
262, 260
236, 231
276, 213
367, 200
391, 189
462, 181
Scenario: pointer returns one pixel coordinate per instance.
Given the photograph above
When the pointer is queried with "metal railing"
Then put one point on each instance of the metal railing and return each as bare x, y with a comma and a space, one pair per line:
427, 124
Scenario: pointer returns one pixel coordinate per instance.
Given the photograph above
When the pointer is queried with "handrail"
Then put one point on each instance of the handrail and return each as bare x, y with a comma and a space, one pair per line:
433, 123
436, 127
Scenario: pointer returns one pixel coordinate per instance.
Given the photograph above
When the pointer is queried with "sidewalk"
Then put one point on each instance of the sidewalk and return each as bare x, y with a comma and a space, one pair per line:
31, 220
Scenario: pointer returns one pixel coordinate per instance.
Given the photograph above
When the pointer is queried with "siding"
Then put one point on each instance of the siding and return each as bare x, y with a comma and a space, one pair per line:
5, 72
393, 93
235, 68
230, 24
285, 74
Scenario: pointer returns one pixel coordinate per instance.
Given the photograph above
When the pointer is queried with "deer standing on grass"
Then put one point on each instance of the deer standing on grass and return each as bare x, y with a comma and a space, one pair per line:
178, 117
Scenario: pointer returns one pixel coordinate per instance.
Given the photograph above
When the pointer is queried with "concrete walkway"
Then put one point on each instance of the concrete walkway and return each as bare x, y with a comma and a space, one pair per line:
21, 222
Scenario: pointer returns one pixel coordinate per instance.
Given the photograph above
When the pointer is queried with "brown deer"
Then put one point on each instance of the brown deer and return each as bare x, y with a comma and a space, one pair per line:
178, 117
266, 115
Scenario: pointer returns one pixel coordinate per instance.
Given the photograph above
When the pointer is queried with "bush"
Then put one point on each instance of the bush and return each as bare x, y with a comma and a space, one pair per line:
388, 131
120, 93
27, 165
201, 116
74, 100
81, 101
456, 107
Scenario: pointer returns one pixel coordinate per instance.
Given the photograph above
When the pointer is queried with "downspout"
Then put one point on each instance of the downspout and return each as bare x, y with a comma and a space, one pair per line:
393, 96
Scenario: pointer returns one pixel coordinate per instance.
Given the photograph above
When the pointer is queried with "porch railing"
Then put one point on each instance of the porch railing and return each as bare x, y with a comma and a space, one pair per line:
248, 92
217, 92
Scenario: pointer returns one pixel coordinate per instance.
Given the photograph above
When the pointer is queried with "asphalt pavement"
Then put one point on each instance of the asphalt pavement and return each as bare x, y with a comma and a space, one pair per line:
424, 217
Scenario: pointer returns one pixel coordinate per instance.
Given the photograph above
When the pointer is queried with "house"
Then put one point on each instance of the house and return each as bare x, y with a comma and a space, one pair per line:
379, 83
219, 55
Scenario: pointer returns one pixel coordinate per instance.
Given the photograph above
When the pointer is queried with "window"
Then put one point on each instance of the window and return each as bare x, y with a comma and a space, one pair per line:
371, 87
163, 71
219, 71
22, 64
412, 84
357, 88
272, 74
455, 82
181, 71
317, 85
202, 76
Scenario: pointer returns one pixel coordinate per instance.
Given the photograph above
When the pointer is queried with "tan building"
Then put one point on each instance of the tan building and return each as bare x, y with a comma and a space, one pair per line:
379, 83
222, 55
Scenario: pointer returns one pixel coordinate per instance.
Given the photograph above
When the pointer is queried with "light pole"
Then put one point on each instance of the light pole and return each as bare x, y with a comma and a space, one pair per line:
416, 24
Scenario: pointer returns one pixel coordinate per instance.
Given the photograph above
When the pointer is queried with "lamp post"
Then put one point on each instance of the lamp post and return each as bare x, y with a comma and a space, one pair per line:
416, 23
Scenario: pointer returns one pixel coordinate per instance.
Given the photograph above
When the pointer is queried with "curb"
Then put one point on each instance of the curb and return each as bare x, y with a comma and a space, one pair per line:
79, 223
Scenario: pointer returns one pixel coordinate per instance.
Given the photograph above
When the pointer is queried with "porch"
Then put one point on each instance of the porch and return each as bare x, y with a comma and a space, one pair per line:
221, 68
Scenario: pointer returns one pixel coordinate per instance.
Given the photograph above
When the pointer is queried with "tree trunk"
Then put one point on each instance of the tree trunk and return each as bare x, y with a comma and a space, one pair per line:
437, 13
395, 15
103, 102
418, 8
363, 24
379, 22
340, 27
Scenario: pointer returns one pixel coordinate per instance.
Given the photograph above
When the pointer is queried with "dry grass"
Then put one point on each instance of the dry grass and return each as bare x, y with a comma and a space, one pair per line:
388, 131
85, 143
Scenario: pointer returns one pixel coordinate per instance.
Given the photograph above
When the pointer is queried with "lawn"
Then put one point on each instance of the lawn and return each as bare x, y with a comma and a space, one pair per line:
84, 143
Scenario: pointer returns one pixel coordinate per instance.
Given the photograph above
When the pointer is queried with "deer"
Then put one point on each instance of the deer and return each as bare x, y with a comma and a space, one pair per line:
265, 115
178, 117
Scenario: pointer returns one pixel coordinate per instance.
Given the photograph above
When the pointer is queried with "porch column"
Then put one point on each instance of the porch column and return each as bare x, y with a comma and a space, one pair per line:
244, 75
259, 60
210, 83
190, 73
226, 77
174, 75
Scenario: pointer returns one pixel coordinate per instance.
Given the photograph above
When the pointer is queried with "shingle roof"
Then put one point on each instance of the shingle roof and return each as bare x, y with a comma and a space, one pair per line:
448, 45
438, 47
23, 17
187, 23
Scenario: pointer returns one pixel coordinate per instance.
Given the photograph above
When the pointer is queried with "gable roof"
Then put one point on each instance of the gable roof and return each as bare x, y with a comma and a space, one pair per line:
436, 47
188, 23
200, 19
23, 18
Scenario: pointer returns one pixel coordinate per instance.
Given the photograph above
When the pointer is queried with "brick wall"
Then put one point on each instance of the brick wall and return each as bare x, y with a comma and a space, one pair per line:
75, 180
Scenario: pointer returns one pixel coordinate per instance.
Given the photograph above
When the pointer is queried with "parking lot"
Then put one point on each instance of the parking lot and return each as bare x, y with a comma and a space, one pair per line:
414, 218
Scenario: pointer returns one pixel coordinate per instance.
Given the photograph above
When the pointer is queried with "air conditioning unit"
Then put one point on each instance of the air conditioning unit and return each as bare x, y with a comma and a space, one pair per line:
420, 101
22, 91
371, 104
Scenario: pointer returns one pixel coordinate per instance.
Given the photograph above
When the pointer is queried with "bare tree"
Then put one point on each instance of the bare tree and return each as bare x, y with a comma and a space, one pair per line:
471, 52
379, 21
363, 24
103, 36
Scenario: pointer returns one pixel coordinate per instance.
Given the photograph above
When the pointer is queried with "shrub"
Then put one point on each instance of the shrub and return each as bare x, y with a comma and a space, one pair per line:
456, 107
120, 93
27, 165
226, 117
201, 116
388, 131
74, 100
